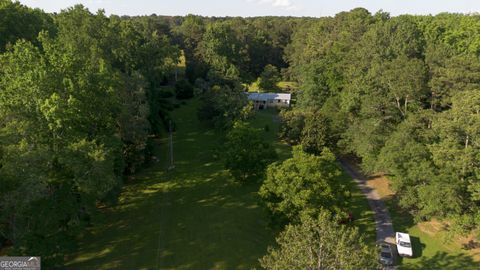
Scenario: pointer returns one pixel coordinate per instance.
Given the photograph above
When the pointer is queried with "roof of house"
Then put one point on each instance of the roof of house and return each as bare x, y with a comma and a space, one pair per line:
268, 96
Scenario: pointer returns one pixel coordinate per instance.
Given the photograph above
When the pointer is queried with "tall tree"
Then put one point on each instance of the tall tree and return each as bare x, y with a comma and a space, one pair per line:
320, 244
247, 154
303, 185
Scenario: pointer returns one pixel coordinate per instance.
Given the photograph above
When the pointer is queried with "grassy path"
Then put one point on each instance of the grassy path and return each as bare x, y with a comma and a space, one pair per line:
195, 217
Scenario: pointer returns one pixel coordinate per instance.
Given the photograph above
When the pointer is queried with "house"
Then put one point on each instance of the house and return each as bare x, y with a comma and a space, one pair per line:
268, 100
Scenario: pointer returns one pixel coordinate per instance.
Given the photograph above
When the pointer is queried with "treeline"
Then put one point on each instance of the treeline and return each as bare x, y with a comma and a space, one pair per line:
400, 93
79, 103
238, 48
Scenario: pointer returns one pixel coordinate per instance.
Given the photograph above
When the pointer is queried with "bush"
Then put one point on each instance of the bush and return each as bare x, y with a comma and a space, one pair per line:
183, 90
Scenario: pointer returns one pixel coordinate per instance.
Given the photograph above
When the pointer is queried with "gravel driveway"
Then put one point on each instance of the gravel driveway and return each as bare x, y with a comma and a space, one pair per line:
383, 222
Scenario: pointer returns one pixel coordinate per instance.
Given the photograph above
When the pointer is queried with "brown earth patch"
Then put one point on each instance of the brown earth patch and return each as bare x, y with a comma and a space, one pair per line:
380, 183
472, 244
432, 227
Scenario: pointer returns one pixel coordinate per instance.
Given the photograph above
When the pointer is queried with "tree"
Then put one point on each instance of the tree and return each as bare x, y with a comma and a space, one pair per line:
315, 85
222, 51
190, 34
222, 105
269, 78
138, 47
456, 153
247, 154
303, 185
320, 244
20, 22
73, 121
293, 122
62, 137
450, 75
315, 133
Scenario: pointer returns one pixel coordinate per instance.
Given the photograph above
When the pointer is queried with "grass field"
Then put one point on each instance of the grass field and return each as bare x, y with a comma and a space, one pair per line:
194, 217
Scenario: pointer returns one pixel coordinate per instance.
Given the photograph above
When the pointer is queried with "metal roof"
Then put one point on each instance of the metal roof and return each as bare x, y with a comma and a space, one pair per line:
268, 96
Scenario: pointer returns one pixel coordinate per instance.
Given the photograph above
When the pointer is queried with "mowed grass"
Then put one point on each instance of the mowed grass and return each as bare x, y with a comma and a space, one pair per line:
430, 248
194, 217
283, 86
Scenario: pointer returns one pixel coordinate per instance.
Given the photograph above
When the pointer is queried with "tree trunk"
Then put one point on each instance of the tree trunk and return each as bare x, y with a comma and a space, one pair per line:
406, 104
399, 106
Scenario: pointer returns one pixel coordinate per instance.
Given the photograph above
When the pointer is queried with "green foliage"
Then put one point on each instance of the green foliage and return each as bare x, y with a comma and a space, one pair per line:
400, 93
223, 105
222, 51
246, 153
269, 78
293, 122
68, 123
183, 89
315, 133
304, 185
81, 93
320, 243
74, 119
20, 22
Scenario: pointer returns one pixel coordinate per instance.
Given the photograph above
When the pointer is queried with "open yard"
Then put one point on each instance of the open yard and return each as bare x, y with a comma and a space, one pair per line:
194, 217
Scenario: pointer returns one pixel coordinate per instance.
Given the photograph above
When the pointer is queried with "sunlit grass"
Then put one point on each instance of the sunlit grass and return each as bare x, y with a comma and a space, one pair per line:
432, 249
288, 86
194, 217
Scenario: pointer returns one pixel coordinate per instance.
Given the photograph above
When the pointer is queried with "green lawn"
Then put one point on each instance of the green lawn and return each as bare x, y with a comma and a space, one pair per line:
288, 86
194, 217
283, 86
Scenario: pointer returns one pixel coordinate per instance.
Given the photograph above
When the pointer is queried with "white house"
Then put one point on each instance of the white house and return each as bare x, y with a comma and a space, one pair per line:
267, 100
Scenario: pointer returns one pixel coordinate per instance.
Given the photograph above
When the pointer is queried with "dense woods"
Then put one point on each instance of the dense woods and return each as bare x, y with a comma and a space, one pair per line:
83, 95
401, 94
77, 106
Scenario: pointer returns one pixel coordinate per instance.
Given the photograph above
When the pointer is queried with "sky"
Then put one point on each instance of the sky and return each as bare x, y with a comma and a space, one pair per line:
248, 8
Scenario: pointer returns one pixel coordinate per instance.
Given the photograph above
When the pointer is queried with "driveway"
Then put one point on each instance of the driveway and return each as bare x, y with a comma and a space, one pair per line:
383, 222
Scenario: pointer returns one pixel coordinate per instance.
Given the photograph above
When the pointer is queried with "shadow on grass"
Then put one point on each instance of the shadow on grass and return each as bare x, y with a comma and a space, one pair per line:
194, 217
208, 222
443, 261
417, 247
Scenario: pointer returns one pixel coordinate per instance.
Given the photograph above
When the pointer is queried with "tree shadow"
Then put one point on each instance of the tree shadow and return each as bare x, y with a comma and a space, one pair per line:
443, 261
193, 217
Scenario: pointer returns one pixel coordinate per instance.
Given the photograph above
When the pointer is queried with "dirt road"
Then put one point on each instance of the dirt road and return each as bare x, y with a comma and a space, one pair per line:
383, 222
